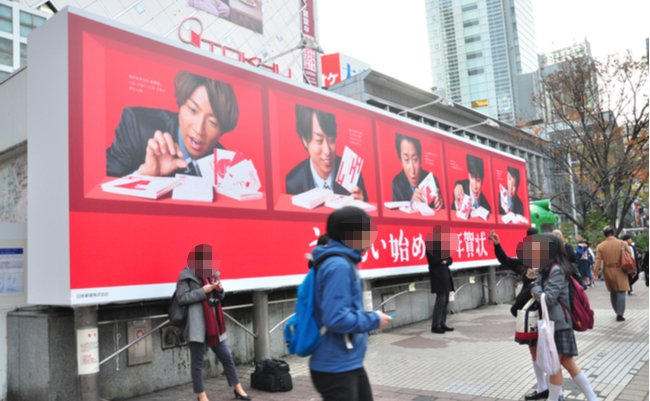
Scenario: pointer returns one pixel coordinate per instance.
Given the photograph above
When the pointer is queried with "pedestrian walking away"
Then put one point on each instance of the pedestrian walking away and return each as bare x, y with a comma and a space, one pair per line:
336, 365
608, 255
199, 288
632, 278
548, 254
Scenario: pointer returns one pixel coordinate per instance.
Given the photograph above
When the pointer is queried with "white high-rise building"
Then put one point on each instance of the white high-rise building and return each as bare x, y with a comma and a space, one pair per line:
479, 48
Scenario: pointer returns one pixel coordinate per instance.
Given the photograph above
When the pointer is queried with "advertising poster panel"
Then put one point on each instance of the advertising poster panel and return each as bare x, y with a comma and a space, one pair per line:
169, 148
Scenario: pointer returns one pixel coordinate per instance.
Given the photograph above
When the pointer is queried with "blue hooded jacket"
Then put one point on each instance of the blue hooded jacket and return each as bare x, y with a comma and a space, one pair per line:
340, 308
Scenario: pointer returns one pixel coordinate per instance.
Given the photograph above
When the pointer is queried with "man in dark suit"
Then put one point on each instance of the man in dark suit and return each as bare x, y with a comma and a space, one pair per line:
159, 142
514, 203
405, 184
471, 186
317, 131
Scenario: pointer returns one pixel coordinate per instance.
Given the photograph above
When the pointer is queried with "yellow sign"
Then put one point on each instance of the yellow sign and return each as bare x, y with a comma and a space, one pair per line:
479, 103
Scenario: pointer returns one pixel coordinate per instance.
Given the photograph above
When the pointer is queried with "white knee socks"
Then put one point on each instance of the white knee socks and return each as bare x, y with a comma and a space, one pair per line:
553, 392
541, 378
583, 382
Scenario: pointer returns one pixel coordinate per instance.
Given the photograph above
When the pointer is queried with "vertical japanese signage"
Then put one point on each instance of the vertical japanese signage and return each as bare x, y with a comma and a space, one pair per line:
309, 56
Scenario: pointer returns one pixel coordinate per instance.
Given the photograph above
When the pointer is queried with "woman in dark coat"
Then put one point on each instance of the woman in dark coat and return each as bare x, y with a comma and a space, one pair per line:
439, 260
199, 288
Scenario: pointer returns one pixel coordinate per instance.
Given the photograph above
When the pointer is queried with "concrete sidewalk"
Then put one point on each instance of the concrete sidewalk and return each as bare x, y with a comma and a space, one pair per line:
479, 361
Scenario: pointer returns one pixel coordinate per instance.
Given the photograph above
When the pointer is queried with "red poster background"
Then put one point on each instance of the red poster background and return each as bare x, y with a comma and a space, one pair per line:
121, 241
455, 155
390, 166
500, 166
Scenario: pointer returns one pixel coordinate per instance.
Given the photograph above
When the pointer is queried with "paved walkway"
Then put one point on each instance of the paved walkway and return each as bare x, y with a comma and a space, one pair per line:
478, 361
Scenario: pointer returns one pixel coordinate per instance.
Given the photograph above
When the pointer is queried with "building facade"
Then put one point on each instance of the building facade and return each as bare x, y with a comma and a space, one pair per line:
478, 49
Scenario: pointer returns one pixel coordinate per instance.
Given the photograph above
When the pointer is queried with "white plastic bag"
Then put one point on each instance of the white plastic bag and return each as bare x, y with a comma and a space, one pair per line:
547, 358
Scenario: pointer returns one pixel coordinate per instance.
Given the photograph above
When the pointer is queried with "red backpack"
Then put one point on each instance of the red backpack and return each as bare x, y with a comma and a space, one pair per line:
581, 313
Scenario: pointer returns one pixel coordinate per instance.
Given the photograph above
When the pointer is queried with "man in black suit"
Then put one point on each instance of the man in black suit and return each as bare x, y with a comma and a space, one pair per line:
471, 186
317, 131
159, 142
514, 203
405, 184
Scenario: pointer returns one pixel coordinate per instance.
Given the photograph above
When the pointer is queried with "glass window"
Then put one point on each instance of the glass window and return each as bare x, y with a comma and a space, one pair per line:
472, 39
6, 19
23, 54
467, 24
3, 75
29, 22
470, 7
6, 52
474, 55
475, 71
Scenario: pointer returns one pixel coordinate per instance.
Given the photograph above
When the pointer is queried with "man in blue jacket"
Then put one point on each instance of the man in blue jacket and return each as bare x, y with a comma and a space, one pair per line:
337, 364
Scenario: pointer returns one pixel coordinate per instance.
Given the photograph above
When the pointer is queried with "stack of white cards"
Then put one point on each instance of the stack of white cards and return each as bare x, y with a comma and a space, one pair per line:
397, 204
226, 172
193, 189
480, 212
142, 186
312, 198
513, 218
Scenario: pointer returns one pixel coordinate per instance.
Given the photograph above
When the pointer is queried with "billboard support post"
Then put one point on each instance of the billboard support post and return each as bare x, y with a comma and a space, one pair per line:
261, 324
85, 322
492, 285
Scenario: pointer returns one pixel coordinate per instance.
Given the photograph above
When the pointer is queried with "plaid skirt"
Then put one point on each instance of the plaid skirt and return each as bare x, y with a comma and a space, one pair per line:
565, 342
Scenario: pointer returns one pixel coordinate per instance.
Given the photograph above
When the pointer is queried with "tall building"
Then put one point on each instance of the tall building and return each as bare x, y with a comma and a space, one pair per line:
479, 49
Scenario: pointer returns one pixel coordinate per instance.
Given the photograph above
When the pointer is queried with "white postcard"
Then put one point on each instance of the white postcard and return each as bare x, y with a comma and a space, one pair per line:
503, 198
396, 204
429, 187
465, 208
349, 169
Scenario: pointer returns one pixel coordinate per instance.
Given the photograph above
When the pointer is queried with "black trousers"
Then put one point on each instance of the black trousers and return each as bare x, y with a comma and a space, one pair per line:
346, 386
439, 318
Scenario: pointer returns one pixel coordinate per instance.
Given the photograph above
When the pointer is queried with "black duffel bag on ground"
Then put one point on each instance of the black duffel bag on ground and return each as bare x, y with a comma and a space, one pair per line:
271, 375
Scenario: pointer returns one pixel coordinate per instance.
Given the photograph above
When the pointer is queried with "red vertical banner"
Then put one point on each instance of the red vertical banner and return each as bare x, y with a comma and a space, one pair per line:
510, 185
309, 56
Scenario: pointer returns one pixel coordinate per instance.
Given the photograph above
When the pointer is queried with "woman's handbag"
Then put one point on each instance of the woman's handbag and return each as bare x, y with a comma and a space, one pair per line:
527, 316
626, 261
177, 313
547, 357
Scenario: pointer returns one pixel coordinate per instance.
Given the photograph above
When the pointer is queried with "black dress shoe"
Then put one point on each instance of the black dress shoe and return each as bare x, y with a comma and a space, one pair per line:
537, 396
241, 397
438, 330
447, 328
620, 318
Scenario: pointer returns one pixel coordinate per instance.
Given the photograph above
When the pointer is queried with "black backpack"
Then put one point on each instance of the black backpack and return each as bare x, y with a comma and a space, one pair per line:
177, 313
271, 375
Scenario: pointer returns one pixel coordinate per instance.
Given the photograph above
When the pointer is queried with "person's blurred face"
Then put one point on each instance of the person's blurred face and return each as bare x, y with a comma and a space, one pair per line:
410, 162
475, 184
536, 253
200, 131
361, 239
321, 148
512, 186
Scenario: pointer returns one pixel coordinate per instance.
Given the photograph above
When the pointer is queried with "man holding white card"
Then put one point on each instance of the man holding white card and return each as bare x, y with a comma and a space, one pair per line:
412, 183
317, 131
511, 202
156, 142
471, 187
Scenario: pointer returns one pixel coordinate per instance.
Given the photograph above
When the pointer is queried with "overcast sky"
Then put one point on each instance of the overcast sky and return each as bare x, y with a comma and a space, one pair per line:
391, 36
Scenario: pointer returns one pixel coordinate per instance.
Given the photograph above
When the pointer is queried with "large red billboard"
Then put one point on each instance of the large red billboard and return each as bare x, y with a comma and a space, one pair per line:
169, 147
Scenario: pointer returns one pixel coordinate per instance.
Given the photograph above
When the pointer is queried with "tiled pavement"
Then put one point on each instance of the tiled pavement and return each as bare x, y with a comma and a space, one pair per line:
478, 361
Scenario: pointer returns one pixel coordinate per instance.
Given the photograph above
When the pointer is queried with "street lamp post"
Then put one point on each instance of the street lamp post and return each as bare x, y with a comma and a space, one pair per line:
439, 100
487, 121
